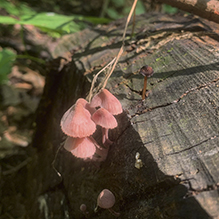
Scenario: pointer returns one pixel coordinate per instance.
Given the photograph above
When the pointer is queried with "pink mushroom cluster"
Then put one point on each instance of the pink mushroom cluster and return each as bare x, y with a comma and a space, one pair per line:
80, 121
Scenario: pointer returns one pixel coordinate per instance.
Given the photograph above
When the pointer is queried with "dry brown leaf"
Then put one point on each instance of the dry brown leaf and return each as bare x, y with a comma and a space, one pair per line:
34, 78
16, 139
24, 86
15, 72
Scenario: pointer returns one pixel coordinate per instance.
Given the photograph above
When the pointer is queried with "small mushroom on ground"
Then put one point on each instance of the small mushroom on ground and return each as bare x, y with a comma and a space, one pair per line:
77, 123
83, 209
106, 200
108, 101
147, 72
80, 147
107, 121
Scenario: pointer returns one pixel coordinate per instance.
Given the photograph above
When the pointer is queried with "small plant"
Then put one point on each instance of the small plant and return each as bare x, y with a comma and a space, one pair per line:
7, 58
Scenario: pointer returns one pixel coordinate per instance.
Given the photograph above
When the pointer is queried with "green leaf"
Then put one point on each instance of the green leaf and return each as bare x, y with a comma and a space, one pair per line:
8, 20
140, 9
118, 3
169, 9
16, 10
112, 13
52, 23
94, 20
7, 58
47, 20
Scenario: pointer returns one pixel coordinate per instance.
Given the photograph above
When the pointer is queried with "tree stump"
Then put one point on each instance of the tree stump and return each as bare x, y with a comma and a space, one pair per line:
175, 129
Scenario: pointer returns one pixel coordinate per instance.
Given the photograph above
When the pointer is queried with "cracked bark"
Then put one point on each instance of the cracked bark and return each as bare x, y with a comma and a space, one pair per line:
178, 118
193, 146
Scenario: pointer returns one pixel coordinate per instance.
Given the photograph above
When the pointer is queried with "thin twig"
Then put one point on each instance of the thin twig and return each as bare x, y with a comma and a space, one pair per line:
145, 87
95, 78
123, 40
113, 67
133, 24
116, 59
128, 19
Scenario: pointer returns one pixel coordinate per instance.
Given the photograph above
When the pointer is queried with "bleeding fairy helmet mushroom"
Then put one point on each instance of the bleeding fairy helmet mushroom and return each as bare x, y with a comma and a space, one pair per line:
80, 147
106, 120
108, 101
86, 105
77, 123
106, 200
147, 72
83, 209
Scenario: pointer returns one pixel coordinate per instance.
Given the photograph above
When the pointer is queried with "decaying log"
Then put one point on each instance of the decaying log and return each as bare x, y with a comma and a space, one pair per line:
175, 129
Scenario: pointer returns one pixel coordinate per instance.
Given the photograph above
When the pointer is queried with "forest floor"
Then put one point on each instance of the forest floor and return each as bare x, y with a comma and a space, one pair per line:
19, 98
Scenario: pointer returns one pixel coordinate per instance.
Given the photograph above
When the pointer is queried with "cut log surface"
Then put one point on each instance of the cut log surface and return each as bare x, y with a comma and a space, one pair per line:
175, 129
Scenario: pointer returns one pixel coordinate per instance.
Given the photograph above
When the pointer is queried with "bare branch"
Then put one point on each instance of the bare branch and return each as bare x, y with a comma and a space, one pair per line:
208, 9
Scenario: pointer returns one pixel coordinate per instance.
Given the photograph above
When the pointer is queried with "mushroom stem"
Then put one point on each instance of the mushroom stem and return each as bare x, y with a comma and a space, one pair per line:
96, 209
146, 71
116, 214
105, 137
145, 86
84, 211
95, 143
100, 151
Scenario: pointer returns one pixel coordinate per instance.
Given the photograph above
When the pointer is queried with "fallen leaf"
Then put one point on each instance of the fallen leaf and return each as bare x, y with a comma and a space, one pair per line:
16, 139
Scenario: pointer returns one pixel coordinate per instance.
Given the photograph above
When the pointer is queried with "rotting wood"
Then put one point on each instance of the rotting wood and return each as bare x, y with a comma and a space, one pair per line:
175, 130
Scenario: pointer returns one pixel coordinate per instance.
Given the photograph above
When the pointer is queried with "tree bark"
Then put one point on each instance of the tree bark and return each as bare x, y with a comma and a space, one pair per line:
208, 9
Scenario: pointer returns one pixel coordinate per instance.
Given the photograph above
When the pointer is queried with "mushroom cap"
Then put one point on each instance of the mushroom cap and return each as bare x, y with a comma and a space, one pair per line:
83, 207
108, 101
104, 118
106, 199
82, 101
86, 105
80, 147
77, 123
146, 71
